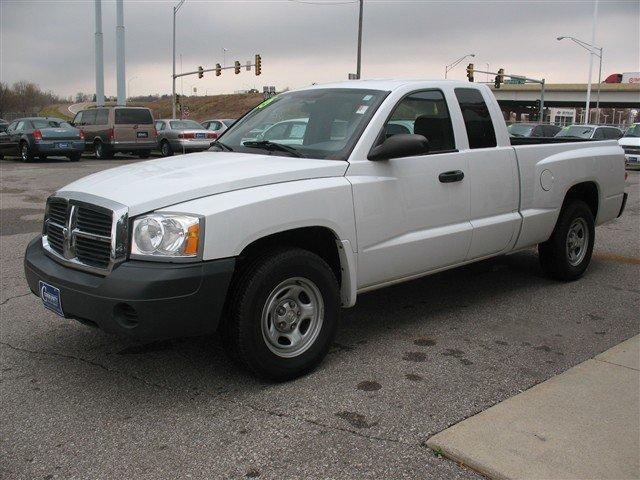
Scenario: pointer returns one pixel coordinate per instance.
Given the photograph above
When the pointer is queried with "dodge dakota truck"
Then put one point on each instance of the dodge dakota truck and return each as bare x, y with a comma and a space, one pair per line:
356, 186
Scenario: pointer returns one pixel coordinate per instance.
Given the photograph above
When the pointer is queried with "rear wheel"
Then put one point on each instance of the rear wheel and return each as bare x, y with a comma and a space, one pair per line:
165, 149
26, 153
144, 153
566, 255
103, 152
282, 314
75, 157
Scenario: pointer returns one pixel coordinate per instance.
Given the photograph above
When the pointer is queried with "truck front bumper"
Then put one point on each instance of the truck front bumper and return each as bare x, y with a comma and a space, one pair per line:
143, 300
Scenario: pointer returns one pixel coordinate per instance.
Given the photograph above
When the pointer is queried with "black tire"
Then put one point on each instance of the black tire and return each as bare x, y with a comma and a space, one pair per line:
26, 152
561, 259
253, 287
144, 153
165, 149
75, 157
103, 152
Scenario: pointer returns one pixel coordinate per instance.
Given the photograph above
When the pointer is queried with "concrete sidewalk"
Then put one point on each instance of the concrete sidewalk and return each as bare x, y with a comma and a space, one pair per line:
582, 424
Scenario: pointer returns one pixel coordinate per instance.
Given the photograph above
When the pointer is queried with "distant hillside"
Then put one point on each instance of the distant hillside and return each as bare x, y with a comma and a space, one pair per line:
206, 107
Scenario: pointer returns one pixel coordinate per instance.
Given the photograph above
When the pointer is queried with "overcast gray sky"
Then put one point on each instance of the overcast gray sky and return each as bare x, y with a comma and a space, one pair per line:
51, 42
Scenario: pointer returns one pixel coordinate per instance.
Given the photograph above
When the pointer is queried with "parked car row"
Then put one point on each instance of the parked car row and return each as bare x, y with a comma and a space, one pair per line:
106, 131
586, 132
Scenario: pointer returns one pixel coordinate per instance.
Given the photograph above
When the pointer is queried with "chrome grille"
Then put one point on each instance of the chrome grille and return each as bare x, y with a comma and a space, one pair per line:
87, 236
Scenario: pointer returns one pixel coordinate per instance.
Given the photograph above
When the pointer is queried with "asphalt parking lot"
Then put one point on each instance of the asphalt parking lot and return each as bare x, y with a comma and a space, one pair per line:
408, 361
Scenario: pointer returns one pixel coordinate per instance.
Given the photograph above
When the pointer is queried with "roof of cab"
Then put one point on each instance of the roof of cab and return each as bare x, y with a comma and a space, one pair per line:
385, 84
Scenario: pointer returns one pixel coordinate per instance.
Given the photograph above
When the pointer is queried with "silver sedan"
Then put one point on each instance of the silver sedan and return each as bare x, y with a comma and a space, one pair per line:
182, 136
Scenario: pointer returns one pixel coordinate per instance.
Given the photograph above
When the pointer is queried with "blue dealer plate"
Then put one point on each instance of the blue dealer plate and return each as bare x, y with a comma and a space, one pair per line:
50, 296
143, 134
62, 145
201, 135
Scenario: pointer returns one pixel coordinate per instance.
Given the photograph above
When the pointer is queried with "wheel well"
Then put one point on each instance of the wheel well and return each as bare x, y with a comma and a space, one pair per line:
587, 192
319, 240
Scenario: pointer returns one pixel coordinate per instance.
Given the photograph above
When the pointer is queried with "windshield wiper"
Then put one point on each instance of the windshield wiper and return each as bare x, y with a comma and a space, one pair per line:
272, 146
217, 143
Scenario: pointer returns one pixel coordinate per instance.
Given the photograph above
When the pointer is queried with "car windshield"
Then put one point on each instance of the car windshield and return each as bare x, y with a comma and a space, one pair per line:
315, 123
49, 123
520, 129
633, 131
185, 125
575, 131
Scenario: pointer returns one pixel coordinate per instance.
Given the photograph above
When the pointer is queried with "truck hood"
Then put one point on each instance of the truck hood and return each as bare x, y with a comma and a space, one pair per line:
629, 141
153, 184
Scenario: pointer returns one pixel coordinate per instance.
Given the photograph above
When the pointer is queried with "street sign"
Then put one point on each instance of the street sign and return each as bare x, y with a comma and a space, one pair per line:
353, 76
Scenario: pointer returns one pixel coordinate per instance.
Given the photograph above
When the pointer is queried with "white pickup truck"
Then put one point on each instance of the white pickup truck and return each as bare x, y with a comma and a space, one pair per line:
312, 198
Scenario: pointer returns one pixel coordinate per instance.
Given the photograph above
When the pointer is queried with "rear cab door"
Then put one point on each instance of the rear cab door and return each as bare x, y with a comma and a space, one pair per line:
492, 172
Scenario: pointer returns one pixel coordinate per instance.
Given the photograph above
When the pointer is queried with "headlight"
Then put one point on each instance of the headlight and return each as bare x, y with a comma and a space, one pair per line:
168, 235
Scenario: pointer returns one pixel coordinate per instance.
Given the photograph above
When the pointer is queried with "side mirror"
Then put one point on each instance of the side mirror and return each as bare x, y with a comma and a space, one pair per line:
400, 145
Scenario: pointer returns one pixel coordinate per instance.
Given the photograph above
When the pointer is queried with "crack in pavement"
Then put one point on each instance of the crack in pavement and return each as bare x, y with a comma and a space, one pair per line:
221, 397
15, 296
84, 360
319, 424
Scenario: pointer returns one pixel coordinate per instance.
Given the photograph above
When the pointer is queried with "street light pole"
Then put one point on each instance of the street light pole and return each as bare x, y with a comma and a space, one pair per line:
173, 77
359, 66
451, 66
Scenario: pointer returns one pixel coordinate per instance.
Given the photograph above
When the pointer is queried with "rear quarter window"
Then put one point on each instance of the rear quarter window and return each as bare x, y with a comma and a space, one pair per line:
133, 116
477, 119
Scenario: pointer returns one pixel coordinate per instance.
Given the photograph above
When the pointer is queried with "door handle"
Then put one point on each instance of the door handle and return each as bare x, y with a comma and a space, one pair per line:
452, 176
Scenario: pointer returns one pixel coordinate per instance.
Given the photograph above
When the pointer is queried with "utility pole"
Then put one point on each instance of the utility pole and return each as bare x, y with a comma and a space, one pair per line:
173, 77
593, 41
99, 56
359, 66
122, 94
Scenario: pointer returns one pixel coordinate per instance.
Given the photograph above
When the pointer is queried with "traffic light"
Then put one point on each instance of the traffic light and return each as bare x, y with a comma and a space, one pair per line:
218, 70
237, 67
258, 63
177, 99
200, 72
470, 72
499, 78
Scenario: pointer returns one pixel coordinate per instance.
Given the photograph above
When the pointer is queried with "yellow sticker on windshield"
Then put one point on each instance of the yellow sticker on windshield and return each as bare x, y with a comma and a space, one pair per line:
266, 102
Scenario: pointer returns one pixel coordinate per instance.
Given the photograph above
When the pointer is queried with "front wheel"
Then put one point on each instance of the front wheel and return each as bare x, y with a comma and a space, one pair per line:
566, 255
282, 314
165, 149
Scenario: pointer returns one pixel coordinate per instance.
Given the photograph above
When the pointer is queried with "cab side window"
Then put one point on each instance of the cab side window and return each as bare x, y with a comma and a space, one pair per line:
423, 113
20, 126
477, 119
599, 135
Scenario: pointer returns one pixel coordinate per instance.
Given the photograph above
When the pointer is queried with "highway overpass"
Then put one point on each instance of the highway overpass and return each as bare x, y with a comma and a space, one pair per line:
612, 95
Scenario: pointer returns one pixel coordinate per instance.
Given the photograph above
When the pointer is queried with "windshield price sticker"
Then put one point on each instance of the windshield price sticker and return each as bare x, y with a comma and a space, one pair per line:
361, 109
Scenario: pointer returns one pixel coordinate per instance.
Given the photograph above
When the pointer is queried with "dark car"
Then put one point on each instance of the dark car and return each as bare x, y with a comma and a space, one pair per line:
40, 137
3, 125
532, 130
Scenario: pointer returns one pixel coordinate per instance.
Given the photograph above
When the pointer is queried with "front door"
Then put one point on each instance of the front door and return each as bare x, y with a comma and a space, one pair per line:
412, 213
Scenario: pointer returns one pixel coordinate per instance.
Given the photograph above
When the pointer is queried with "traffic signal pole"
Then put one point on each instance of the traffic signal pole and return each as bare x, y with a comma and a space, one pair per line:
501, 75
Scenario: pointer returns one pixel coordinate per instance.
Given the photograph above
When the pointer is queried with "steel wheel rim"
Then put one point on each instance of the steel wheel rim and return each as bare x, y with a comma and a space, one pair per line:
292, 317
99, 150
25, 151
165, 149
577, 241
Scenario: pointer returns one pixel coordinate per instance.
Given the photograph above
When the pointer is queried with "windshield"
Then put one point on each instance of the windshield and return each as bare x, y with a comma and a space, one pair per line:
520, 129
49, 123
316, 123
185, 125
575, 131
633, 131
